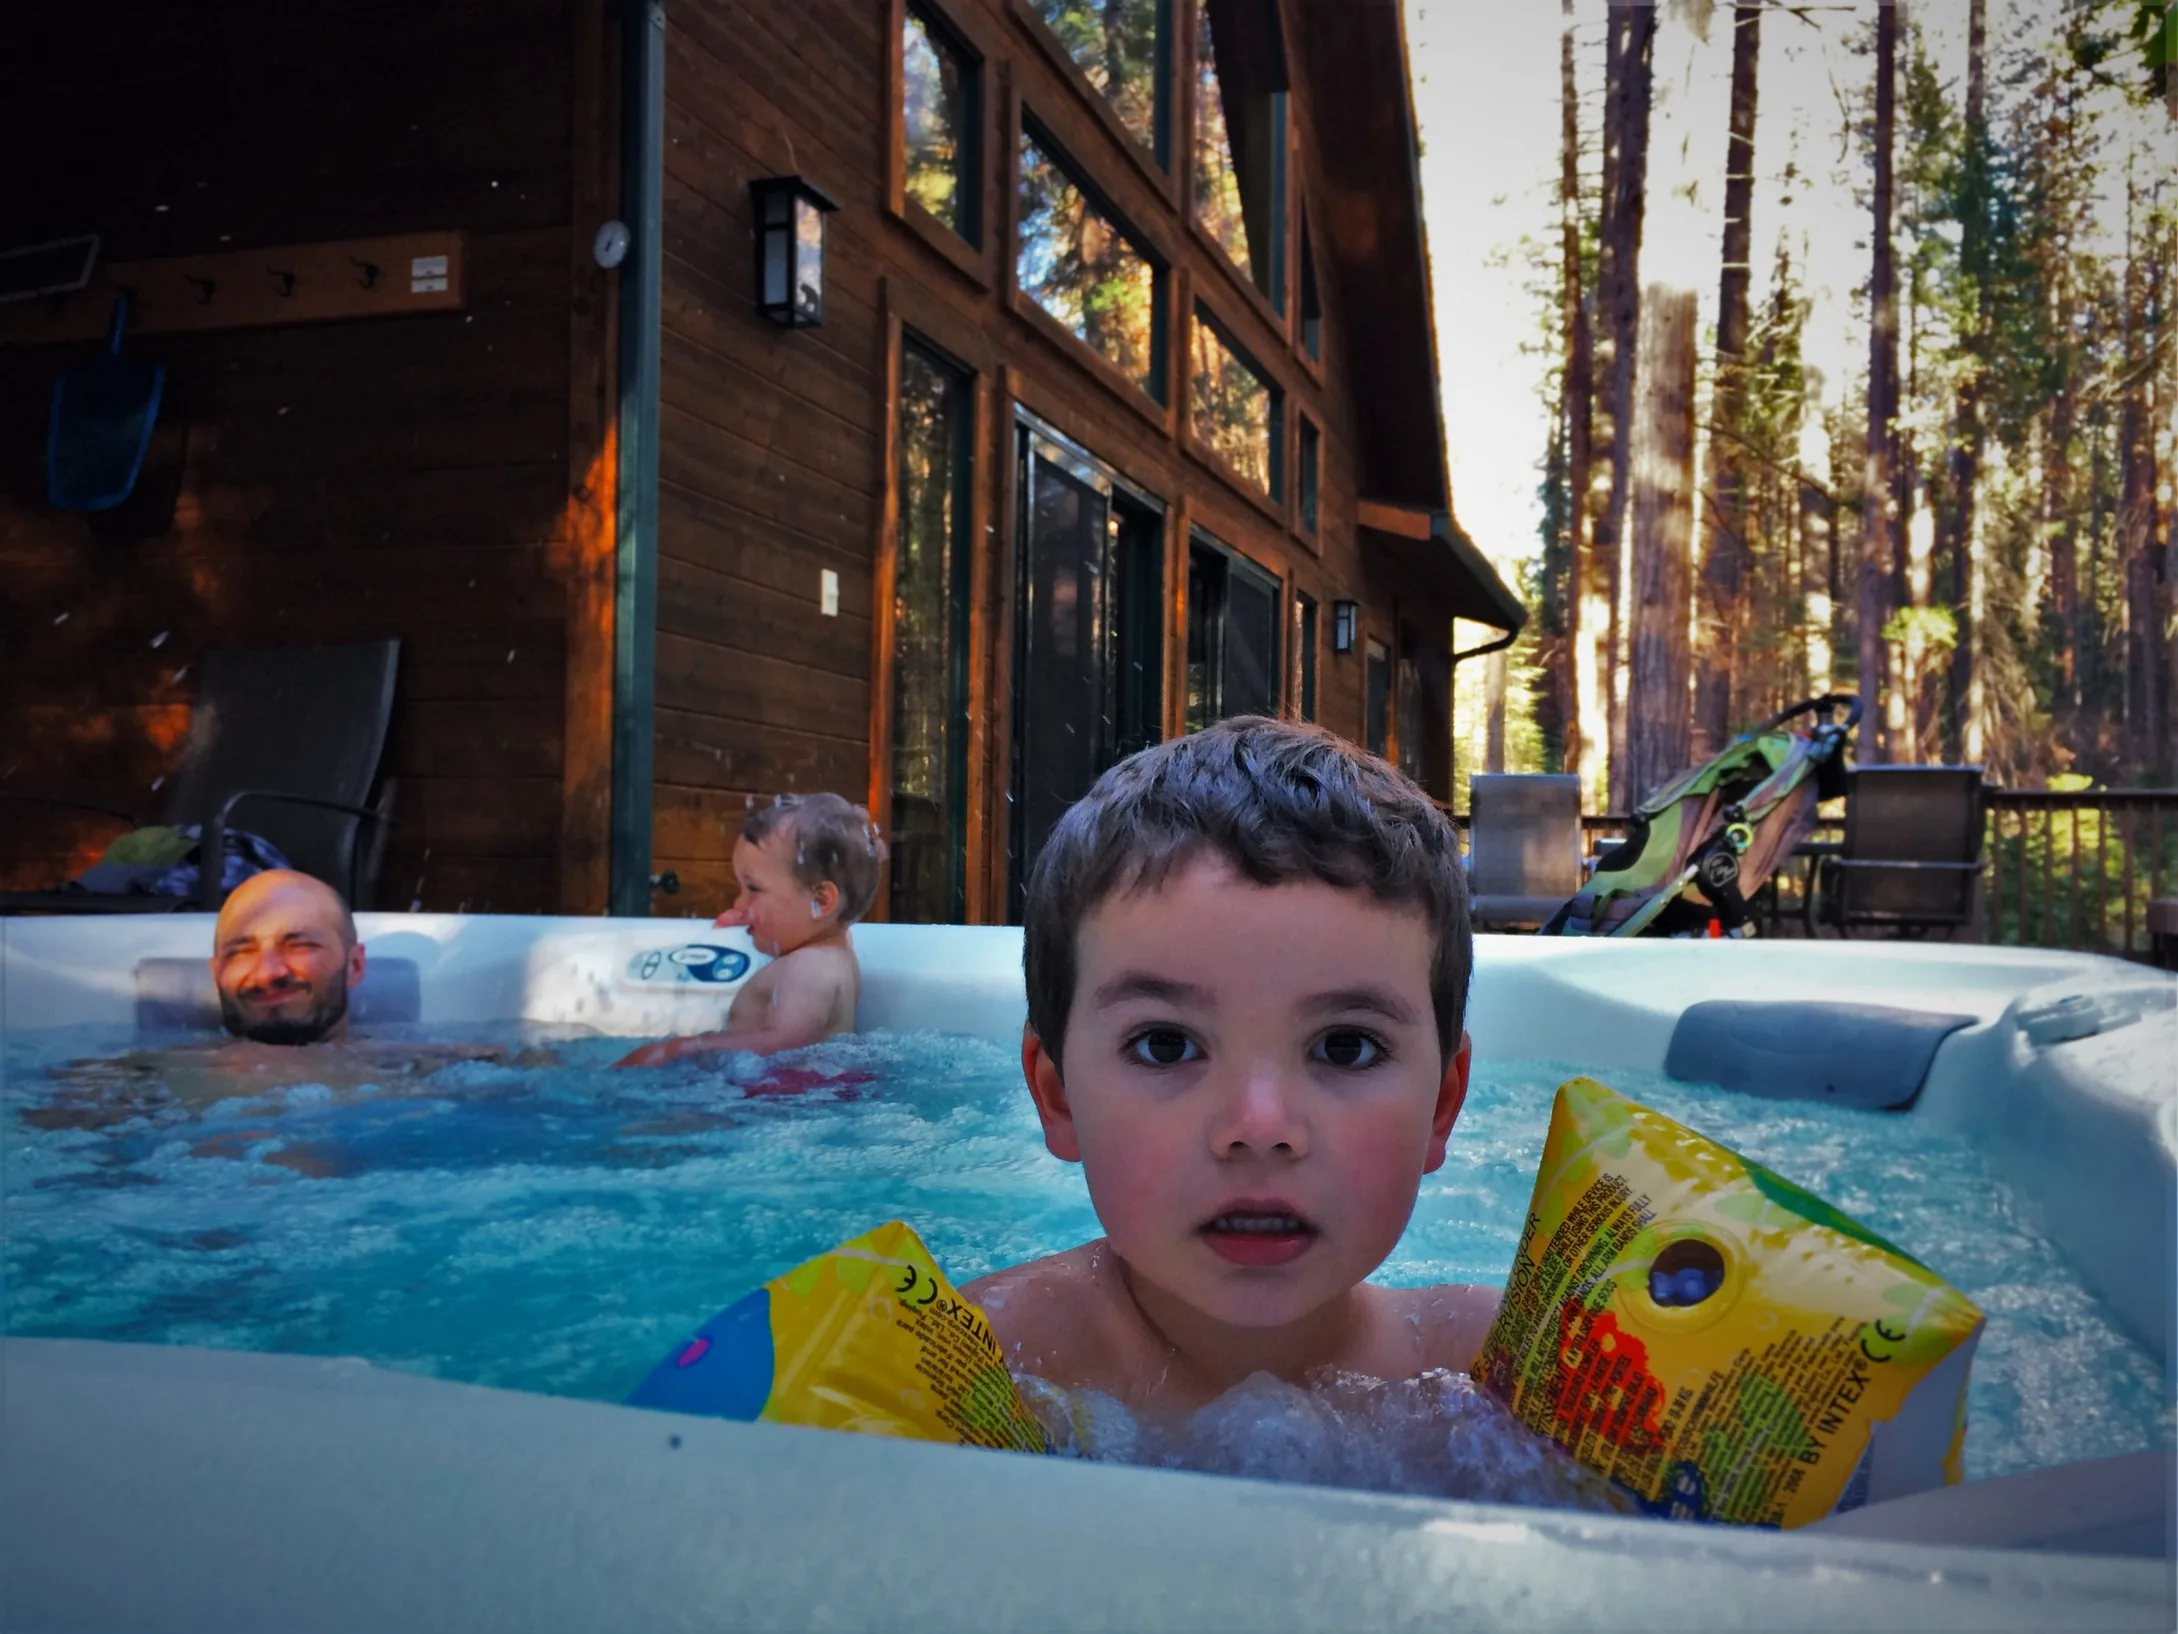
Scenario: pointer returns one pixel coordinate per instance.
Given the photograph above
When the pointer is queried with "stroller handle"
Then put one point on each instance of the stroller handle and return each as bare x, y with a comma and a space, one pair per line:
1826, 704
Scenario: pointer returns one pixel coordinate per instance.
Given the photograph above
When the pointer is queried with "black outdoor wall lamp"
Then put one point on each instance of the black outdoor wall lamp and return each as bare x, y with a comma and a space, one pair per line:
790, 250
1343, 622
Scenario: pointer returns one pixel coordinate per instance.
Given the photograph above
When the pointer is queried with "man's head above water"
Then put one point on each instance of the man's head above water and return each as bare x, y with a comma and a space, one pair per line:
284, 956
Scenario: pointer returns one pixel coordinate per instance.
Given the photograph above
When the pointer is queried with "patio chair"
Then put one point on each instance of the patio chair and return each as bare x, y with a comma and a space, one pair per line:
283, 742
1912, 858
1524, 847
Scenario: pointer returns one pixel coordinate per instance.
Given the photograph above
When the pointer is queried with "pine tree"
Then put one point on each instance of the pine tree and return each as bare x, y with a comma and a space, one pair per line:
1727, 559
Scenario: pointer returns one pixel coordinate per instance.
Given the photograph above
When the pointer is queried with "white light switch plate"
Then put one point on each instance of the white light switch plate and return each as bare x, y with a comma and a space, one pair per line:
828, 592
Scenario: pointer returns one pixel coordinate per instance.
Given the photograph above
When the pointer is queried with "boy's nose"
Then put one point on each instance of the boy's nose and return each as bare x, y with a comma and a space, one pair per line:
1258, 1114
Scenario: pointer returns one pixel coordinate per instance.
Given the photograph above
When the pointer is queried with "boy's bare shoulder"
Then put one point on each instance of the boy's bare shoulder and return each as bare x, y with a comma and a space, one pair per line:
1048, 1315
1448, 1322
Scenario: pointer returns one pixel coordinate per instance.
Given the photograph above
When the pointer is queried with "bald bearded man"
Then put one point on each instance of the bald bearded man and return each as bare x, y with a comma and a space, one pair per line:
285, 957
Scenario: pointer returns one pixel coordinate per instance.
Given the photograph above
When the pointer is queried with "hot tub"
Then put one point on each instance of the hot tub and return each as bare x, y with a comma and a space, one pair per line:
170, 1487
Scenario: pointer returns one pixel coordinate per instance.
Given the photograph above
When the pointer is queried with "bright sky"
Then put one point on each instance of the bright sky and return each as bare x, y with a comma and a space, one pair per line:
1486, 84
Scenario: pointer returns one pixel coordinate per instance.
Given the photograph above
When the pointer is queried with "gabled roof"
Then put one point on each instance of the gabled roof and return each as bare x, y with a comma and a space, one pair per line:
1367, 216
1367, 223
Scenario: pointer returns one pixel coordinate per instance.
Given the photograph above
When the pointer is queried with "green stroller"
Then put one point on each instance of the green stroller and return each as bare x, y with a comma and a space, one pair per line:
1700, 847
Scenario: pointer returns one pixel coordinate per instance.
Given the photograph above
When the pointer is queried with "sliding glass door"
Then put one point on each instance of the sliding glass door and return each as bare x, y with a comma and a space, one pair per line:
1088, 652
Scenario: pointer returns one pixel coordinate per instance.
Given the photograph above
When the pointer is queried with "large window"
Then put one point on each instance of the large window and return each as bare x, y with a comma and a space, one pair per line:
930, 642
1376, 702
1121, 48
1304, 639
1232, 635
1078, 264
938, 118
1240, 138
1311, 458
1089, 634
1311, 298
1235, 411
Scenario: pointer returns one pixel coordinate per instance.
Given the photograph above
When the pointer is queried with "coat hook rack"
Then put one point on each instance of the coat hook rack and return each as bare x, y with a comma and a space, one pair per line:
271, 286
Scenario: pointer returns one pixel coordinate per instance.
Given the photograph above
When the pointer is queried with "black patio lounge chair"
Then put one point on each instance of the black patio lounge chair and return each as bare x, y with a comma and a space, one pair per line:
283, 742
1524, 845
1912, 859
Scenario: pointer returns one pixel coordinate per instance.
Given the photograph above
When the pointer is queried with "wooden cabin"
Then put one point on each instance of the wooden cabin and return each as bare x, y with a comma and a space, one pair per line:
1097, 398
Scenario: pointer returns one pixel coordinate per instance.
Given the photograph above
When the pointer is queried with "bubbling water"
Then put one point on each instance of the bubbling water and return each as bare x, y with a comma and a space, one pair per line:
543, 1223
1437, 1436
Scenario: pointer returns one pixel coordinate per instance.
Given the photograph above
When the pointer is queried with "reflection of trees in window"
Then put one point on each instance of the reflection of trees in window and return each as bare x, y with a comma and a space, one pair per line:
929, 644
1311, 298
1078, 265
1240, 138
1232, 636
1119, 45
1376, 705
938, 120
1233, 408
1310, 455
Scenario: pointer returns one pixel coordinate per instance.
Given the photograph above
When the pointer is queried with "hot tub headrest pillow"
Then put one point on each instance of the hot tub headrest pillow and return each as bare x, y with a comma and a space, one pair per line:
1718, 1341
869, 1337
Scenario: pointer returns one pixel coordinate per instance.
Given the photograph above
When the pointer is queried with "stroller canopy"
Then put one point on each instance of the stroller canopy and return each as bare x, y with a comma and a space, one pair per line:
1705, 842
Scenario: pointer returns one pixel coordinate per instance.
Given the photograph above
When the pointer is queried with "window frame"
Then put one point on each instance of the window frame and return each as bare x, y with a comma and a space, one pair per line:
1308, 479
1374, 651
1155, 162
960, 664
1272, 307
1307, 292
1272, 501
1199, 537
1158, 406
969, 257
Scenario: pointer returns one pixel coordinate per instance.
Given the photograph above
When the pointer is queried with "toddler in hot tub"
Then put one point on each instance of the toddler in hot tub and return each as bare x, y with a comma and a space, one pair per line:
807, 869
1247, 955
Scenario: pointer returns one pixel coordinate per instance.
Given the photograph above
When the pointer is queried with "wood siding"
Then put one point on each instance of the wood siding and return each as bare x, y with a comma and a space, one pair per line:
338, 482
776, 455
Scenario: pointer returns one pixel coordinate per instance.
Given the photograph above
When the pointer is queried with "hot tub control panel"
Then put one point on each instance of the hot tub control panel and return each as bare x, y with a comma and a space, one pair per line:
693, 963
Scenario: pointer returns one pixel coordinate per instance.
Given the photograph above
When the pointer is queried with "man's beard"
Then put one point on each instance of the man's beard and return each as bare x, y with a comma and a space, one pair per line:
327, 1014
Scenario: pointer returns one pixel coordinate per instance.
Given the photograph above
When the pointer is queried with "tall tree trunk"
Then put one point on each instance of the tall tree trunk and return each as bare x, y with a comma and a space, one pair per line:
1663, 537
1962, 516
2064, 550
1630, 68
1495, 673
1726, 557
1878, 548
1587, 716
2147, 656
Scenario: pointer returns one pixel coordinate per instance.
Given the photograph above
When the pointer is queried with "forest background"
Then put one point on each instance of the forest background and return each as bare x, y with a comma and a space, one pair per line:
1790, 348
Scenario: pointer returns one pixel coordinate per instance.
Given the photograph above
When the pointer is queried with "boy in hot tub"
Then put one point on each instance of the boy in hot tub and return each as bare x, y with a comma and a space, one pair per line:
1247, 955
807, 869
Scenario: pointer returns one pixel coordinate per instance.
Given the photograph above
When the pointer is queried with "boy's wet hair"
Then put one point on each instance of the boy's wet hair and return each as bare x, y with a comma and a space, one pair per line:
1278, 802
834, 841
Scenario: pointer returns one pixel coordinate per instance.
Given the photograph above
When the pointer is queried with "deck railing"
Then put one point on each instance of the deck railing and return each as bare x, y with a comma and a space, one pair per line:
2078, 869
2066, 869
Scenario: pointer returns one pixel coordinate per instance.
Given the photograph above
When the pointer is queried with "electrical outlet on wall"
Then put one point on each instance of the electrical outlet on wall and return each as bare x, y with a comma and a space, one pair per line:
828, 592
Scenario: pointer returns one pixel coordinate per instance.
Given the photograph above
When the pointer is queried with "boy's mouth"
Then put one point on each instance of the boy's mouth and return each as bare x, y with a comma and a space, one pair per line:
1258, 1234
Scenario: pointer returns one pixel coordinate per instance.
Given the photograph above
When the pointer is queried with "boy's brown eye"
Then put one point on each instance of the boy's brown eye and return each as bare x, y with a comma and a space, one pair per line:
1348, 1049
1163, 1047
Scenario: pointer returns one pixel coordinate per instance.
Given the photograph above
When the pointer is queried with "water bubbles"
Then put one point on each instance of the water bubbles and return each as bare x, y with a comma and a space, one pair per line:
1438, 1435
